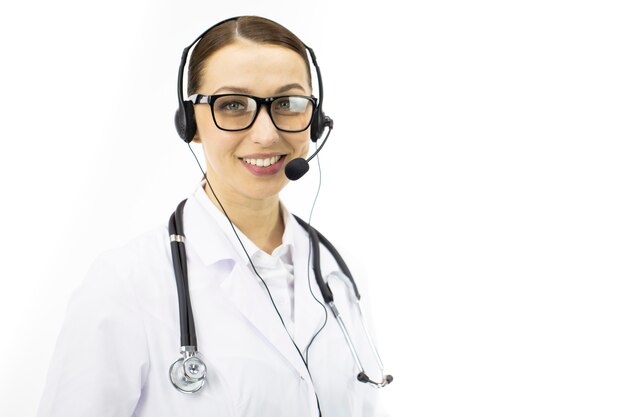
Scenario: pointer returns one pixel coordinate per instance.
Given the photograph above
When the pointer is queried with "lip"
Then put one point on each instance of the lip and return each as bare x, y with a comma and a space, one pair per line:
263, 171
261, 155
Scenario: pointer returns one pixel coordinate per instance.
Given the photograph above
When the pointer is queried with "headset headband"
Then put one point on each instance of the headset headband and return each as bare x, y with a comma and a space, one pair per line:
184, 119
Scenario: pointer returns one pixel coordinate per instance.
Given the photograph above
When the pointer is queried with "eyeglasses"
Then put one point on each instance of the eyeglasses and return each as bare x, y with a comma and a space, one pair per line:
235, 112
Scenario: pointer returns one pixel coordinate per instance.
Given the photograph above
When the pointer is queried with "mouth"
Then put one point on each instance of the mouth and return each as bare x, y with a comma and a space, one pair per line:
263, 162
266, 166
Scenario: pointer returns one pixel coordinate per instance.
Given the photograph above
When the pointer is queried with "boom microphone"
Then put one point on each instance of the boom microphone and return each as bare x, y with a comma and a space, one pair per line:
296, 168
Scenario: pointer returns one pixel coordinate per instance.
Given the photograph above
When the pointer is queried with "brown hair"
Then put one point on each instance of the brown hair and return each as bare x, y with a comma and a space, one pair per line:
254, 28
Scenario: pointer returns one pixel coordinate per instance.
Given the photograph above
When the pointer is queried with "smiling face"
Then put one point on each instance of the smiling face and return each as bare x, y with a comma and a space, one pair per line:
249, 165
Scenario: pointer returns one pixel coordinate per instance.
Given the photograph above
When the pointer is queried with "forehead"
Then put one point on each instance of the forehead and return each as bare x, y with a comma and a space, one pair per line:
260, 68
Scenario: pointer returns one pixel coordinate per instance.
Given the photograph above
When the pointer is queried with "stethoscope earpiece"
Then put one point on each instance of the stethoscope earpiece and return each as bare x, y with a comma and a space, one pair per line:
362, 377
188, 374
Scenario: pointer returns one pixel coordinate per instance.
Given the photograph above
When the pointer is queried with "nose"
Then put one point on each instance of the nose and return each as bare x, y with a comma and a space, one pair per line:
263, 130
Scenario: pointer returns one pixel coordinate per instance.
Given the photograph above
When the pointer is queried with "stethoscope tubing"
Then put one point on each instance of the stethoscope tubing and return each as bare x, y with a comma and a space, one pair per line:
187, 327
316, 239
179, 258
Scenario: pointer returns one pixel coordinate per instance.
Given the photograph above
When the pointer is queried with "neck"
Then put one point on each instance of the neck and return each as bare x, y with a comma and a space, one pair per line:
260, 220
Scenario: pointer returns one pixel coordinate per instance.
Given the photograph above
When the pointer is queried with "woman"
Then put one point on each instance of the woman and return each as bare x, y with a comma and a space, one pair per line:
264, 340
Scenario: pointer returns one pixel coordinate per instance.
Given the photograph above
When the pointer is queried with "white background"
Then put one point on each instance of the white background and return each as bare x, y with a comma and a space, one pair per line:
476, 172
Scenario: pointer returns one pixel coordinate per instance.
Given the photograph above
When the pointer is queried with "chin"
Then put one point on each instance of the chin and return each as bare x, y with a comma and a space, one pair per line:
265, 191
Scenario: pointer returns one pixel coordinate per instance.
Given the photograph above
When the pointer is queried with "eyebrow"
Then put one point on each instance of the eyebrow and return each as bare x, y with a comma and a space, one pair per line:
242, 90
289, 87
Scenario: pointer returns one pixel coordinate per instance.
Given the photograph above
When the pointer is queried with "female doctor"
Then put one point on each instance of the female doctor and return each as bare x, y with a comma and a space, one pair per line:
263, 341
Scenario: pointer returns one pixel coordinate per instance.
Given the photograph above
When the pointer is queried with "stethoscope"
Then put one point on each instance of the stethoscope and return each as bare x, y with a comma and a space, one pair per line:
188, 373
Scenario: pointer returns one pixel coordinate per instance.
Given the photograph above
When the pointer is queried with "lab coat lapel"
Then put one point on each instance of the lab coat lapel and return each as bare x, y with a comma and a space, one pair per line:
251, 299
308, 314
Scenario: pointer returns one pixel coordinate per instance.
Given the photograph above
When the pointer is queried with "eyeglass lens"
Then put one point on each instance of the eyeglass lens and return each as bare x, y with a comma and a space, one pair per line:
289, 113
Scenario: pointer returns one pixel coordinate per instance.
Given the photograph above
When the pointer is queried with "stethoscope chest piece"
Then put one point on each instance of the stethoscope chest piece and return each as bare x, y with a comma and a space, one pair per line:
188, 374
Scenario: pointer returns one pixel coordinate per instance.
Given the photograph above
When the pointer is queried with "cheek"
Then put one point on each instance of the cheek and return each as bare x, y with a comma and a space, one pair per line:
204, 122
219, 149
305, 149
302, 145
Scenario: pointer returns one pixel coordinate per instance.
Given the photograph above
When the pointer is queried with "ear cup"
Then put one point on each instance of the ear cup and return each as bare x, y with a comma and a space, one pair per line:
185, 121
317, 124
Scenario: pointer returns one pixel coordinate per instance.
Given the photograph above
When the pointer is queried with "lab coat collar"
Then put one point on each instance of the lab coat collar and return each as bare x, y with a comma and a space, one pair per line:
247, 294
203, 235
243, 289
308, 313
206, 243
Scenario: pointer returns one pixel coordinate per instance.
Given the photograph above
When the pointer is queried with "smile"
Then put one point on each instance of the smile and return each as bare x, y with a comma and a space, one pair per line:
263, 162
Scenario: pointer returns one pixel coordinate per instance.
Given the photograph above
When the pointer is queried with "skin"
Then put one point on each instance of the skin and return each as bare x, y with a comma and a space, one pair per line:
251, 201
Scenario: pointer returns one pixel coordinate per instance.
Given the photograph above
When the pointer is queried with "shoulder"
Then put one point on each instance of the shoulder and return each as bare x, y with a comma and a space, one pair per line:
146, 244
105, 336
115, 271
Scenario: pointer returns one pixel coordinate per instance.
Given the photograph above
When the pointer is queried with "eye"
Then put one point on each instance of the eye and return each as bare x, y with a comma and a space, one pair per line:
232, 105
290, 105
284, 103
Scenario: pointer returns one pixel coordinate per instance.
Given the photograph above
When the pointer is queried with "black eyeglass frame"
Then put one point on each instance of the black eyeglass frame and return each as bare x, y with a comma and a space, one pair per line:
260, 101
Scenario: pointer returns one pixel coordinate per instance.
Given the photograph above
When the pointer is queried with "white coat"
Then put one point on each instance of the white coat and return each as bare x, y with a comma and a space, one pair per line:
121, 334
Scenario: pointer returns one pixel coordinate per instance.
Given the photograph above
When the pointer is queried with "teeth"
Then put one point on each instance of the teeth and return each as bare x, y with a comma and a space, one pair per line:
262, 162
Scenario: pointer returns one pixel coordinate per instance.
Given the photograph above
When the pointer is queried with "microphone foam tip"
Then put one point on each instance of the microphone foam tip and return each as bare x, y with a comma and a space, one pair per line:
295, 169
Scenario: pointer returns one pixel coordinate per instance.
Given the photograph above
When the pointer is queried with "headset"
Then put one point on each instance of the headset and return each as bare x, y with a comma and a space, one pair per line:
184, 118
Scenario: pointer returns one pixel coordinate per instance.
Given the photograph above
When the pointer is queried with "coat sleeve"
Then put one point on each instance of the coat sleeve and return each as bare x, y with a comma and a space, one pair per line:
101, 359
